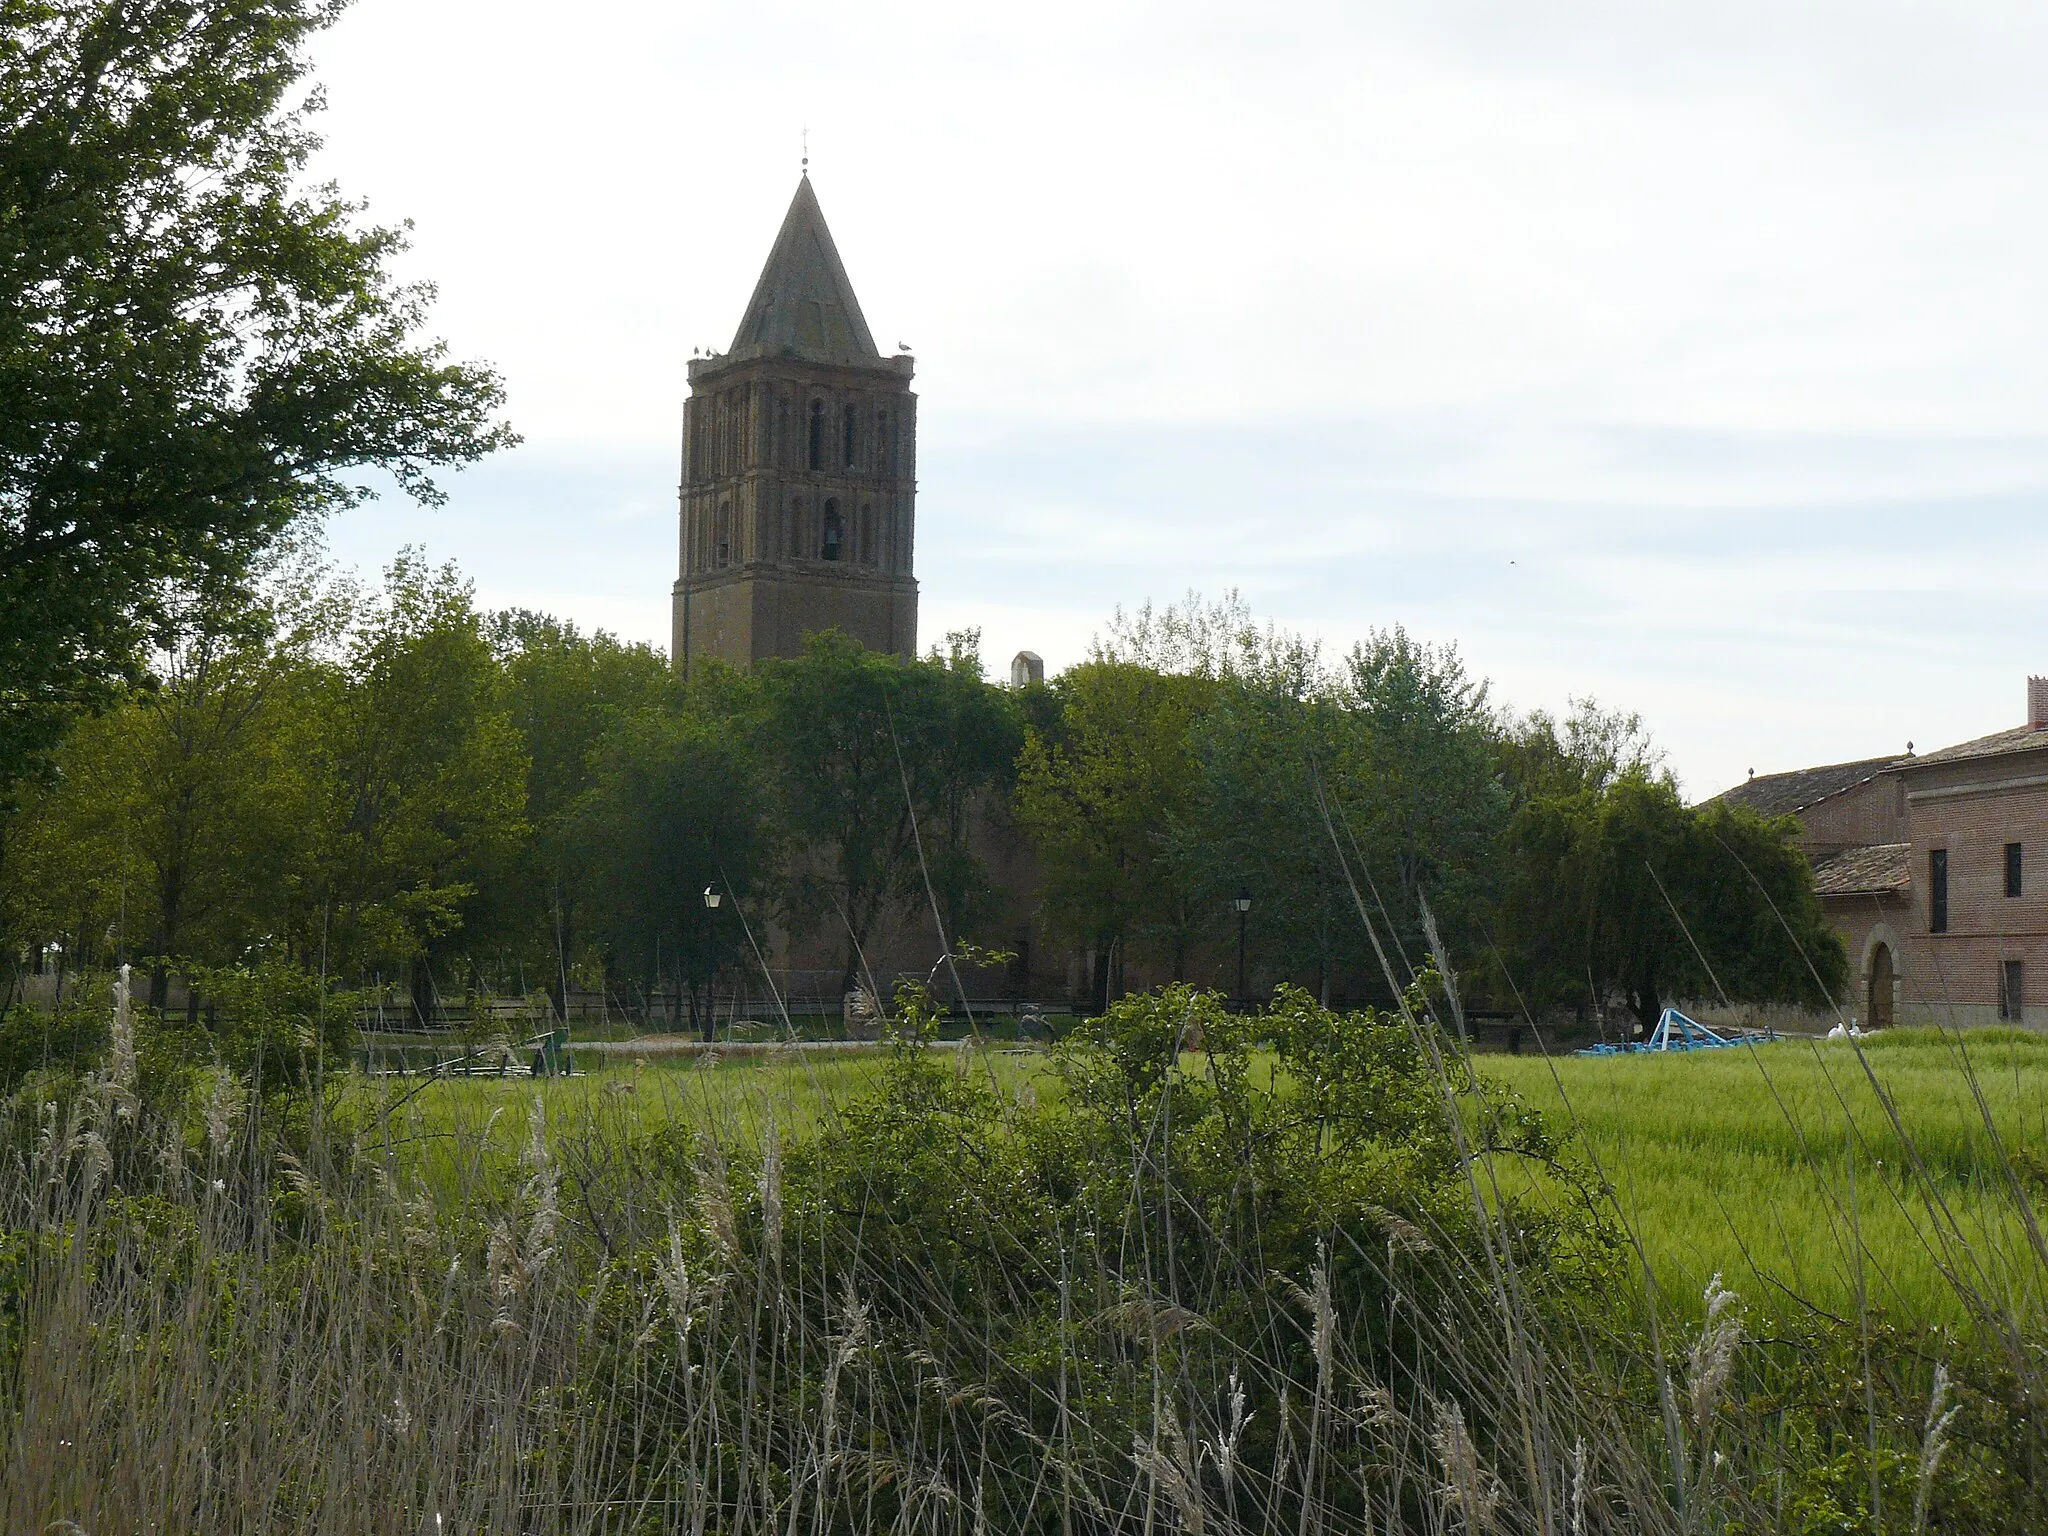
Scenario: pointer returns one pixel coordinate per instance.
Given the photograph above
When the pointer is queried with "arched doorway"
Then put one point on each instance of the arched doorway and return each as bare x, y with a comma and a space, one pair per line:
1878, 1013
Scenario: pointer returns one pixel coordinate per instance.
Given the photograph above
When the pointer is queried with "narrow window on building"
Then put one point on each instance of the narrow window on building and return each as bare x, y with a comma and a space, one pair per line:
2012, 991
2012, 869
1937, 890
817, 458
885, 445
832, 534
724, 534
850, 432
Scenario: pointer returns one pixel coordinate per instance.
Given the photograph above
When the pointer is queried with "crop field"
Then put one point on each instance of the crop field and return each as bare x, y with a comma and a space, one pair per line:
449, 1125
493, 1295
1779, 1169
1782, 1170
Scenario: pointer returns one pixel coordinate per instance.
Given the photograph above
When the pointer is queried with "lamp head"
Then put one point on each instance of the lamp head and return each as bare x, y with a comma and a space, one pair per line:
713, 896
1242, 901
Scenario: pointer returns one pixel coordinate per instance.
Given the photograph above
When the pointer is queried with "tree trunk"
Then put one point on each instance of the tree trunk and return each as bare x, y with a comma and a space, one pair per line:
558, 981
1646, 1002
856, 946
1098, 982
849, 973
422, 989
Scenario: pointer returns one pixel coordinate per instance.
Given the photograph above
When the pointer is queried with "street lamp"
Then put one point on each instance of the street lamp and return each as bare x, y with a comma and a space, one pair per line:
1242, 901
712, 897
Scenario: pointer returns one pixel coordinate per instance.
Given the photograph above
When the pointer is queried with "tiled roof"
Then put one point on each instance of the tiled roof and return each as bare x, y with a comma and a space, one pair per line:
1874, 869
1780, 794
2021, 738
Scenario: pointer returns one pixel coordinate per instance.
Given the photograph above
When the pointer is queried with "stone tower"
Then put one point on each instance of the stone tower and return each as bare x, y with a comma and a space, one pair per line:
799, 470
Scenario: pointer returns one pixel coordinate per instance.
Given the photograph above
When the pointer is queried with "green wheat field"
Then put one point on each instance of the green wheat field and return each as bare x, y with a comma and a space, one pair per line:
1787, 1170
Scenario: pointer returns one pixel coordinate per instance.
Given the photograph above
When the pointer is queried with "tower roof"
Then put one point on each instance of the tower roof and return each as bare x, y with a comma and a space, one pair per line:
803, 306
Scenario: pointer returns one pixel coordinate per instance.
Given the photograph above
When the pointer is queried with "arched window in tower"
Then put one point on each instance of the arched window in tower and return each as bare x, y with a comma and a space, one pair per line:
849, 434
817, 457
722, 532
865, 548
831, 533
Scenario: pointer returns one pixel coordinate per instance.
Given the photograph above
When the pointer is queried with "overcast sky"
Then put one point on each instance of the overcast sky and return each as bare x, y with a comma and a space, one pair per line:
1694, 357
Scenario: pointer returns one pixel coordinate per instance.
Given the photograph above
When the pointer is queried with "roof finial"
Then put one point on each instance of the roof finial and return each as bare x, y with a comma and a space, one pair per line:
807, 150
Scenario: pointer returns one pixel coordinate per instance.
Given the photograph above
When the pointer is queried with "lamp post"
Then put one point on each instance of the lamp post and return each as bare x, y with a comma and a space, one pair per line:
712, 897
1242, 901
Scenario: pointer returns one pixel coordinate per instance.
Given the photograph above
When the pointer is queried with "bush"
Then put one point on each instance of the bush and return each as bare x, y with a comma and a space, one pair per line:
1210, 1272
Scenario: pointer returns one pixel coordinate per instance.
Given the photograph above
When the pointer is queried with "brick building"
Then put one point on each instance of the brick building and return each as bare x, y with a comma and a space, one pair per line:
799, 470
1924, 864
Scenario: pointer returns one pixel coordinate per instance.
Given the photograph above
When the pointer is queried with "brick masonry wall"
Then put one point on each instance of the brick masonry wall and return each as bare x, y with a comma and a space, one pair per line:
1953, 977
1864, 923
1870, 813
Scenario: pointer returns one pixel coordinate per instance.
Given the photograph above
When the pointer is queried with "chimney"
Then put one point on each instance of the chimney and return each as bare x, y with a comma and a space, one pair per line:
2037, 703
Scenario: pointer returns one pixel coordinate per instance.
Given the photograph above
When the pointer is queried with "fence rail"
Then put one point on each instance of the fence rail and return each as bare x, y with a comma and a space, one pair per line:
655, 1014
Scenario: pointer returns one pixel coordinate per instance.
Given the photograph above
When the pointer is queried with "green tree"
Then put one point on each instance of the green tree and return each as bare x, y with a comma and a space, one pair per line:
1262, 750
1419, 783
884, 765
425, 781
195, 347
1100, 788
1271, 753
1621, 890
203, 807
676, 804
563, 690
67, 861
1306, 778
1539, 755
219, 805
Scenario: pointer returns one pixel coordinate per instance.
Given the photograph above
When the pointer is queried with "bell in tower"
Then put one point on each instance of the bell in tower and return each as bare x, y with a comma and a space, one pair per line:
799, 470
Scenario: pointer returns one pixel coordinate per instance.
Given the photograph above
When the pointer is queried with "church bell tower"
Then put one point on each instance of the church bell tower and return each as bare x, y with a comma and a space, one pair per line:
799, 470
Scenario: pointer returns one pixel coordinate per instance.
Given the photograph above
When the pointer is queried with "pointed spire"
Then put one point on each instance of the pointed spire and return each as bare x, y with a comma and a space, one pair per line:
803, 306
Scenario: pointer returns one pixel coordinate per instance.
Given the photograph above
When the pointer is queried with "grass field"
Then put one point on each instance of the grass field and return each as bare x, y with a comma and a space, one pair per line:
1781, 1170
450, 1123
593, 1321
1778, 1169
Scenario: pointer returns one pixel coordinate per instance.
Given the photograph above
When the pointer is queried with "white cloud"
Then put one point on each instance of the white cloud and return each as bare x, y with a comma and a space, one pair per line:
1723, 322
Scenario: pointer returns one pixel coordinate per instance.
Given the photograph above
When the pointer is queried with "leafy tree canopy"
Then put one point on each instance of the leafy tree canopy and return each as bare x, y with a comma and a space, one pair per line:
1622, 889
195, 347
677, 803
882, 761
1101, 786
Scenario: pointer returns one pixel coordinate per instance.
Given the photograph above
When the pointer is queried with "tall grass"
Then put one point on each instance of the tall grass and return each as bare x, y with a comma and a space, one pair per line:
958, 1296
